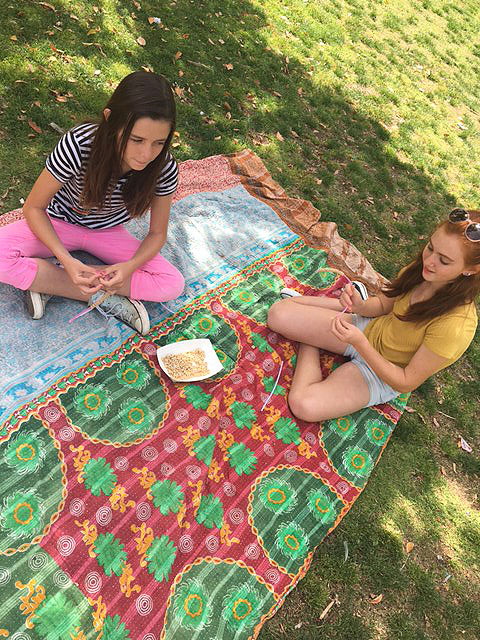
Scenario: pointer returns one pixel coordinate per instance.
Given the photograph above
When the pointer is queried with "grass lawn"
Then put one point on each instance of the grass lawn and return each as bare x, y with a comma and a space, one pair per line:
368, 108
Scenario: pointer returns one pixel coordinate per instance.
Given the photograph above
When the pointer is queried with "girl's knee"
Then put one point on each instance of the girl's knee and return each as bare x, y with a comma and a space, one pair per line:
304, 406
276, 315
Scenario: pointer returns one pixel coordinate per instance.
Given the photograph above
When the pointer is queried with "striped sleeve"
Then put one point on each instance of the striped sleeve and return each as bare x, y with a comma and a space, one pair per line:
66, 159
168, 180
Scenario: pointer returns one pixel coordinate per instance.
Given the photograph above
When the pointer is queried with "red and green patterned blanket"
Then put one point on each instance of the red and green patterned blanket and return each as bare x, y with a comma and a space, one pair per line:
133, 507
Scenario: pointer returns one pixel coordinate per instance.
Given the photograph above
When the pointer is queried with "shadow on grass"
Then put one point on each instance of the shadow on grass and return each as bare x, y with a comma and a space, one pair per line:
333, 155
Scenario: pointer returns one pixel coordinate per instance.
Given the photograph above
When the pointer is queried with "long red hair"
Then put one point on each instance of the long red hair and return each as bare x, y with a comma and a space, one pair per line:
460, 291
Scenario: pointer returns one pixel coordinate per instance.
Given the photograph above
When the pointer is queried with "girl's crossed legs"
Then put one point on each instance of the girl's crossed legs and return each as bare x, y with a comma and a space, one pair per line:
311, 397
23, 264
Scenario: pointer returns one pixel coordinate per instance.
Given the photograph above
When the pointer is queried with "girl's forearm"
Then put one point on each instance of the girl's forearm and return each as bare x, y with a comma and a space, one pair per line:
40, 225
390, 373
149, 248
370, 308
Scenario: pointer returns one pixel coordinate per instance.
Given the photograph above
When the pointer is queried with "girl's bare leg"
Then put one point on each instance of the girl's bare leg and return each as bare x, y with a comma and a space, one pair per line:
306, 323
311, 398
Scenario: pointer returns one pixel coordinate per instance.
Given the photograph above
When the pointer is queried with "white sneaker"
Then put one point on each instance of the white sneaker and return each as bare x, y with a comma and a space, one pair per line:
130, 312
289, 293
36, 303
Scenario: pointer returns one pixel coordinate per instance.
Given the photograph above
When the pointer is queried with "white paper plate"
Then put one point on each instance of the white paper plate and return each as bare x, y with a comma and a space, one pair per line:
213, 363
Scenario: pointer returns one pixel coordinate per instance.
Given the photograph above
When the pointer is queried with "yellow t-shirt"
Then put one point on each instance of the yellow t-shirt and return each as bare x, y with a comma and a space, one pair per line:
448, 335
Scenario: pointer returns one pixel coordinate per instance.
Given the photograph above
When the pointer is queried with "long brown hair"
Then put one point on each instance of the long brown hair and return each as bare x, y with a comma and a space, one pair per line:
139, 95
460, 291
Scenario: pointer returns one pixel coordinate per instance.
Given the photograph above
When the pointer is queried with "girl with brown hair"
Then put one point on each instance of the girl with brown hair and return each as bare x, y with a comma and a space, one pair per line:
420, 323
98, 177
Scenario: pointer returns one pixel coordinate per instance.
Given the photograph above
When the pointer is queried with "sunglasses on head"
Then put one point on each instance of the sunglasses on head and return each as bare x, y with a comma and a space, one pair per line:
472, 230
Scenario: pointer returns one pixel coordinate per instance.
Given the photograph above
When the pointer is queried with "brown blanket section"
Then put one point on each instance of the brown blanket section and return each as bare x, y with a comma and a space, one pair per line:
304, 219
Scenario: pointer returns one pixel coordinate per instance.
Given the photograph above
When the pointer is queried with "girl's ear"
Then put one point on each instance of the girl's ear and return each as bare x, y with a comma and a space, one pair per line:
106, 113
472, 271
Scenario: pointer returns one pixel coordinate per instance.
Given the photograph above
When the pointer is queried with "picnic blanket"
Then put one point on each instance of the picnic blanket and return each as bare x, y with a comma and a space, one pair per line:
134, 507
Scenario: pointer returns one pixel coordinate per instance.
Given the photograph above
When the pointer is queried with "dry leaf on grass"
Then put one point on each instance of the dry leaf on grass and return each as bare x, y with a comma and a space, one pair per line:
376, 599
409, 547
228, 66
141, 41
14, 38
279, 136
34, 126
178, 55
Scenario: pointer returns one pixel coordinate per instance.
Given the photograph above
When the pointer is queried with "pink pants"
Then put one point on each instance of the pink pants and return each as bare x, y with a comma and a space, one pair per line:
156, 280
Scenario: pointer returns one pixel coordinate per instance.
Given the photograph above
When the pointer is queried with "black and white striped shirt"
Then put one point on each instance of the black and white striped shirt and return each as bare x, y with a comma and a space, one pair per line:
68, 162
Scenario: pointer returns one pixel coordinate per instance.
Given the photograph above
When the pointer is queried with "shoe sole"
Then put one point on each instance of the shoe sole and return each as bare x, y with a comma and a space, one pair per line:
289, 293
143, 320
35, 306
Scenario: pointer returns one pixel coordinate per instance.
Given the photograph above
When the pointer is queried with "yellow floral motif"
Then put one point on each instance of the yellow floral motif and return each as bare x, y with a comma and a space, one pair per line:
181, 515
16, 510
225, 441
225, 533
257, 433
288, 350
186, 605
88, 404
276, 357
99, 614
89, 535
197, 494
117, 499
272, 417
143, 541
260, 372
190, 437
213, 408
126, 373
20, 452
228, 399
304, 449
78, 635
4, 633
147, 478
126, 580
248, 611
30, 602
213, 471
243, 324
80, 460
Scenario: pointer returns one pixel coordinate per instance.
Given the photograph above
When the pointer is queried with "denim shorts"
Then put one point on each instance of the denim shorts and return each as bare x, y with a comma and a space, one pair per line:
380, 392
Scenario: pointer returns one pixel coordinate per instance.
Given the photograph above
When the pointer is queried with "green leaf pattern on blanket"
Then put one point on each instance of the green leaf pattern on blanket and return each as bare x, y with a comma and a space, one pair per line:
241, 458
210, 512
160, 557
167, 496
260, 342
287, 431
203, 448
99, 477
113, 629
110, 553
243, 414
195, 396
269, 384
56, 617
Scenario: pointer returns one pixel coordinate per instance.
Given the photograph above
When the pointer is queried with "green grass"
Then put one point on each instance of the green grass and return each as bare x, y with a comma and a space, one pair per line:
377, 103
